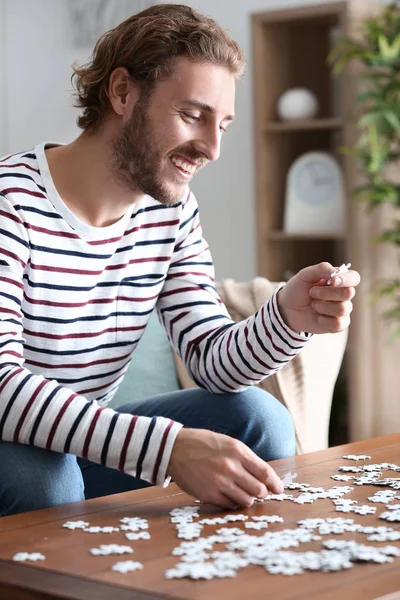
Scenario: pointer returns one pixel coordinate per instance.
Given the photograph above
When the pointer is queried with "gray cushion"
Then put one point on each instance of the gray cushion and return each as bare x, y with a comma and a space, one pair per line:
152, 369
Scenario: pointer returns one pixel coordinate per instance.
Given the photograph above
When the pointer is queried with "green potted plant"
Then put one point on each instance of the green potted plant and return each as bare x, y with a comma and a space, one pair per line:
377, 147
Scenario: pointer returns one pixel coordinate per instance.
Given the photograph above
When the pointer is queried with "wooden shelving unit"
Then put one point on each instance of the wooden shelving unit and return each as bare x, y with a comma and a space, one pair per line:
281, 235
290, 48
303, 125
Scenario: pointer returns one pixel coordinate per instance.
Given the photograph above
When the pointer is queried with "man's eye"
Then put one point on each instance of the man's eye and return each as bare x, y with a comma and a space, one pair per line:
191, 117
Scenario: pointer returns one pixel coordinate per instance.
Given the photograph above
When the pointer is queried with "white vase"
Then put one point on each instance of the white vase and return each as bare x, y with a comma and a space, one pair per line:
297, 103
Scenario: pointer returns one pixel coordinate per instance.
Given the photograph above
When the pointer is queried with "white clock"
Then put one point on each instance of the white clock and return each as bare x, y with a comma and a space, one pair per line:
315, 197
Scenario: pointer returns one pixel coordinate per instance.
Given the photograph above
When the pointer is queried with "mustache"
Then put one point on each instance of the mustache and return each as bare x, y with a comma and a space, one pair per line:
192, 155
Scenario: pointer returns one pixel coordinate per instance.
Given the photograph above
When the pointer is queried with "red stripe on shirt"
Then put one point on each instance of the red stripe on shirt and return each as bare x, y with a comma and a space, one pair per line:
10, 376
12, 282
161, 452
234, 365
27, 407
128, 437
9, 311
11, 217
101, 387
13, 256
51, 336
12, 353
7, 166
18, 190
90, 432
104, 361
185, 273
58, 419
254, 355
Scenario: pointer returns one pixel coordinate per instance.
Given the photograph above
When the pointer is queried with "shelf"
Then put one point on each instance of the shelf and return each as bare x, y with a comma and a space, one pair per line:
325, 14
303, 125
290, 49
278, 235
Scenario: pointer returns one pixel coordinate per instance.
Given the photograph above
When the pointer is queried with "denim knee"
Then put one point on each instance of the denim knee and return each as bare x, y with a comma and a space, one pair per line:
261, 422
32, 478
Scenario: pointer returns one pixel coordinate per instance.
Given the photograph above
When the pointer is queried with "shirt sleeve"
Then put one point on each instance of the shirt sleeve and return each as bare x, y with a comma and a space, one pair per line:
42, 413
220, 354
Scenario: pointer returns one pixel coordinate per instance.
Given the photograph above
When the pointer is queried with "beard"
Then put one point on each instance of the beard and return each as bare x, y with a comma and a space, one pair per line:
137, 158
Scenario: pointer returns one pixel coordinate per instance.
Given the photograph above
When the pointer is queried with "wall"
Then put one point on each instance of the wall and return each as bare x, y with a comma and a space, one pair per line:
38, 70
35, 101
3, 110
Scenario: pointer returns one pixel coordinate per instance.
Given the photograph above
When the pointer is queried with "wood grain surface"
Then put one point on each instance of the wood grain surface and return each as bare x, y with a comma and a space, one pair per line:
71, 572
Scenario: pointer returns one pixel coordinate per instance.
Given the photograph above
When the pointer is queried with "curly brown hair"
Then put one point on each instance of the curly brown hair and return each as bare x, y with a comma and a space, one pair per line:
146, 44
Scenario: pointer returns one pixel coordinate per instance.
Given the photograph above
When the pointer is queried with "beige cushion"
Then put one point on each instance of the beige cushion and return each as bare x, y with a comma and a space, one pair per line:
305, 385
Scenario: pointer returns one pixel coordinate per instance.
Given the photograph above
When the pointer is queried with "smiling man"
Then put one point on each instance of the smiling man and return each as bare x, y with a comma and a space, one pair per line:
173, 130
99, 233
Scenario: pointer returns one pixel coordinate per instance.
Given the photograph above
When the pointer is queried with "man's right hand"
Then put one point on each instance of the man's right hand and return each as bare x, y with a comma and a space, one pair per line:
220, 470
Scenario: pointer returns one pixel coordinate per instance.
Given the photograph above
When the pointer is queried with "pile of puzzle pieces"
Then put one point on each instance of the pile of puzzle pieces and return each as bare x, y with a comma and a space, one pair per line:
233, 547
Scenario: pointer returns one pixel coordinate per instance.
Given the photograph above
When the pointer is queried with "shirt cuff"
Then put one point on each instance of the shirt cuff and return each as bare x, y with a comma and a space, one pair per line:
162, 478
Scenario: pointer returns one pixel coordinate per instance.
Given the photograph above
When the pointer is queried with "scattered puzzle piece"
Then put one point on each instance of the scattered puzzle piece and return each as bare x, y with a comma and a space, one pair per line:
76, 524
23, 556
96, 529
127, 566
141, 535
357, 457
106, 549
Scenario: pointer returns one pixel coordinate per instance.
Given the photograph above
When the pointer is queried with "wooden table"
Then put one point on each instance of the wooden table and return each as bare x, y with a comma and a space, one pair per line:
71, 572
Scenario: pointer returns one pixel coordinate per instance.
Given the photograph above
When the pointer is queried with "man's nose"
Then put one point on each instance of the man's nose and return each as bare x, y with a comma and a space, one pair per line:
211, 142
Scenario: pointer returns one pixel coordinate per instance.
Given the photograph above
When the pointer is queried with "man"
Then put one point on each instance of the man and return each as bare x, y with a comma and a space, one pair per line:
98, 233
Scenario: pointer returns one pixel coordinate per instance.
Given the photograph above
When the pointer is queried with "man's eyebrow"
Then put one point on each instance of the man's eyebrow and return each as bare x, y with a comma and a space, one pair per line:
207, 108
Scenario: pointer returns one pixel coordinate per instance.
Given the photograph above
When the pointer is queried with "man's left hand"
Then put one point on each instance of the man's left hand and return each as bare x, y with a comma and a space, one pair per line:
308, 304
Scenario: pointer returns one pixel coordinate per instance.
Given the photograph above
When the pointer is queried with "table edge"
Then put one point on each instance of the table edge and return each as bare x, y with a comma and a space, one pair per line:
51, 585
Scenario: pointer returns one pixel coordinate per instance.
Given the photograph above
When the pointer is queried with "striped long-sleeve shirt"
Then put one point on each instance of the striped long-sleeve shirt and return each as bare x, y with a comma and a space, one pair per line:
74, 302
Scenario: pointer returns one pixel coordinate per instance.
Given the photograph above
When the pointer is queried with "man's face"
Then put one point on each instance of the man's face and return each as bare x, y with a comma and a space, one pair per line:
175, 130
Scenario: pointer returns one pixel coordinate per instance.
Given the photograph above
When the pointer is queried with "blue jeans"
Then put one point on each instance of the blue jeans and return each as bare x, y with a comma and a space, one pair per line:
33, 478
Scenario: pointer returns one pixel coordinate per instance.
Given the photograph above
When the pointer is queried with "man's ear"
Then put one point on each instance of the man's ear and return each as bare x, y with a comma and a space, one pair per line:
122, 92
